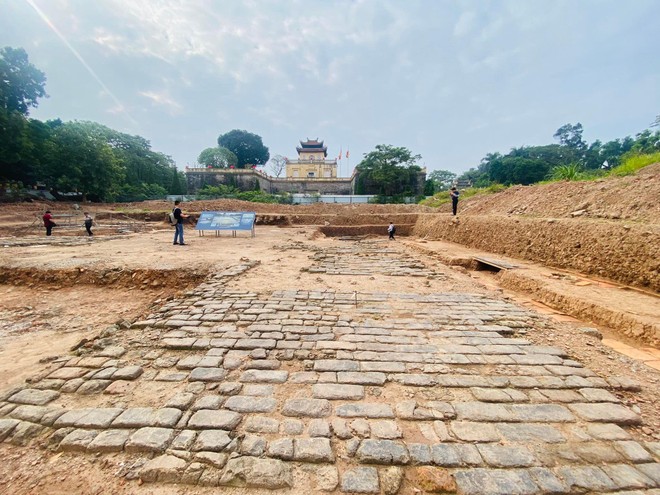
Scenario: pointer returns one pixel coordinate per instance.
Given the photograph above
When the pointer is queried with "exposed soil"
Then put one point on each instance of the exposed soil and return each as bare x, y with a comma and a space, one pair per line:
61, 293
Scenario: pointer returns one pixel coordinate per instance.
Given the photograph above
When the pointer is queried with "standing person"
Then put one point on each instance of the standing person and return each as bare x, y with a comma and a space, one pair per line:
178, 217
48, 222
88, 224
391, 230
454, 199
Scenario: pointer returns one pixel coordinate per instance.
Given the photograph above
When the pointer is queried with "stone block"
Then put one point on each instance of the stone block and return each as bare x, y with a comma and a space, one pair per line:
337, 391
313, 450
211, 441
222, 420
313, 408
360, 480
109, 441
34, 397
252, 472
149, 439
382, 452
247, 404
164, 468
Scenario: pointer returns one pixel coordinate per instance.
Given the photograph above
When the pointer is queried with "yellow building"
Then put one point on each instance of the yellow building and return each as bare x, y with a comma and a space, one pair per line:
311, 162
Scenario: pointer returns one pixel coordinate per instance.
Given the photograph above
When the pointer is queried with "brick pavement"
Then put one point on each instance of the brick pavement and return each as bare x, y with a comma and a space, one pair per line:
328, 391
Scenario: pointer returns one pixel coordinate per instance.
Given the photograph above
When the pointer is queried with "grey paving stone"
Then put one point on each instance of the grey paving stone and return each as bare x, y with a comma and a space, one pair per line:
211, 441
382, 452
524, 432
586, 477
606, 413
34, 397
312, 450
606, 431
498, 395
165, 469
264, 376
364, 410
260, 390
91, 387
222, 420
261, 424
337, 391
385, 429
230, 388
89, 418
109, 441
149, 439
506, 456
208, 402
281, 448
360, 480
382, 367
253, 472
361, 428
247, 404
313, 408
78, 440
547, 481
551, 413
208, 374
474, 432
420, 454
335, 365
127, 373
253, 445
6, 427
651, 470
184, 440
627, 477
633, 451
304, 377
361, 378
319, 428
495, 482
482, 411
445, 455
139, 417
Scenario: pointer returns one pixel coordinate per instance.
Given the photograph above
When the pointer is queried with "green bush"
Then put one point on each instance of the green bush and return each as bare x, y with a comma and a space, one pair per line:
443, 197
571, 171
633, 163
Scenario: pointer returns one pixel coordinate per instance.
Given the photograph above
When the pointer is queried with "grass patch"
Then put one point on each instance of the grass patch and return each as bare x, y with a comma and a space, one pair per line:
634, 163
443, 197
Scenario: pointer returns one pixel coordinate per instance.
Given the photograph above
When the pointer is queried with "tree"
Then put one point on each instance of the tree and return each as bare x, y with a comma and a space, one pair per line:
21, 83
389, 171
571, 136
248, 147
79, 161
217, 157
441, 179
277, 165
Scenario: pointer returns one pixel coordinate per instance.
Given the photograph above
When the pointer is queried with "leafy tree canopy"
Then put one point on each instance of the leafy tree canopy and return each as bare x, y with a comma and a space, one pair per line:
389, 171
248, 147
21, 83
217, 157
571, 135
441, 179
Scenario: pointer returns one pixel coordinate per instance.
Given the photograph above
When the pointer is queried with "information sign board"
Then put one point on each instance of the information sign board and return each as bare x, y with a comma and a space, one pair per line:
226, 220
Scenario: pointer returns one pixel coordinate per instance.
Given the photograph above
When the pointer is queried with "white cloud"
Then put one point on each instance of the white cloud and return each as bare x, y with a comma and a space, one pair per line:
162, 98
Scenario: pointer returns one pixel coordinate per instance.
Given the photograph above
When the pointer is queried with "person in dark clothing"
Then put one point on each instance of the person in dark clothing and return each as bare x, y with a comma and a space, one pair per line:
178, 217
48, 222
454, 199
88, 224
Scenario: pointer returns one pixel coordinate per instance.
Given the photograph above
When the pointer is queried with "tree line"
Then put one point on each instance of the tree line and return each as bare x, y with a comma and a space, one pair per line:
100, 163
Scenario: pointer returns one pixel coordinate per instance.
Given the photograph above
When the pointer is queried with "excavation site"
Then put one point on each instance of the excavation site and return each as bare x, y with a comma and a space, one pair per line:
510, 349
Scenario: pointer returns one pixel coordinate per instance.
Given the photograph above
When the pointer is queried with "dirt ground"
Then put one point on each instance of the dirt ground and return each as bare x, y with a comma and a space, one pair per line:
60, 293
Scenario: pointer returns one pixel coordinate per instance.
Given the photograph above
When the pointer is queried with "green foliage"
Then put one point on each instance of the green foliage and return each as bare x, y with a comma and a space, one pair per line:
141, 192
633, 163
248, 148
389, 171
21, 83
443, 197
571, 171
217, 157
230, 192
441, 180
570, 135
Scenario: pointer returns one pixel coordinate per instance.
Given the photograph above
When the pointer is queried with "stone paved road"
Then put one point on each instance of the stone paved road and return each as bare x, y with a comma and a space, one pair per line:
325, 391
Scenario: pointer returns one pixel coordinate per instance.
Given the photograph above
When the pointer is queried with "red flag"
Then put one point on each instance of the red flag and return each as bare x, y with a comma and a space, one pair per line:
339, 153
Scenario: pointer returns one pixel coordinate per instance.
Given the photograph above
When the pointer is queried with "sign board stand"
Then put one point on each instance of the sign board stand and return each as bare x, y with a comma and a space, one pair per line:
226, 220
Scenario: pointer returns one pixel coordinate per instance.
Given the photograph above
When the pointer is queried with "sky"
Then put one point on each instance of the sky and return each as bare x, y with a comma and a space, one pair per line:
449, 80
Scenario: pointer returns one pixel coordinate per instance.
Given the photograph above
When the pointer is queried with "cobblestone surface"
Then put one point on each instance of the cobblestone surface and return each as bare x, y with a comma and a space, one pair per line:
346, 391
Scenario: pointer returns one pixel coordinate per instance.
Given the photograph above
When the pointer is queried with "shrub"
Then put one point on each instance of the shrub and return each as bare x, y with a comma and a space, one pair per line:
572, 171
632, 163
